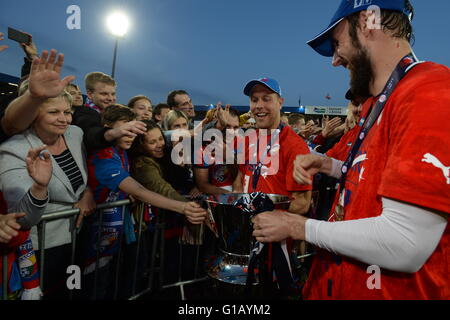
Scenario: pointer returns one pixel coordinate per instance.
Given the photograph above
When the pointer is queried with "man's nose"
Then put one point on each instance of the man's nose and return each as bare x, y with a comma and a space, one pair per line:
258, 104
337, 60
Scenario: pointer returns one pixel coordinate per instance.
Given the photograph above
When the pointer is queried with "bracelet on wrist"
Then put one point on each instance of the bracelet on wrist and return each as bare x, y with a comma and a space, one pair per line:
37, 202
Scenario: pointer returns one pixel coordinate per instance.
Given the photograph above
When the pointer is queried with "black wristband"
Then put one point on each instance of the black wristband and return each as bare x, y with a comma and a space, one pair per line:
37, 202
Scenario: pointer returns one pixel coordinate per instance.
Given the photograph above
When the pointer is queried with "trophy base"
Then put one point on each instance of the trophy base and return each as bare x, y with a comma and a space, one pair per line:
230, 268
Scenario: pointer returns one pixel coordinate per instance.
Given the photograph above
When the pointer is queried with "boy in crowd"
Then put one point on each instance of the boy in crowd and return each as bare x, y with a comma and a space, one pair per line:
101, 92
159, 113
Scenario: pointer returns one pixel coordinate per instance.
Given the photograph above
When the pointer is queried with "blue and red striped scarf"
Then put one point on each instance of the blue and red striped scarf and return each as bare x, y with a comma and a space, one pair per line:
23, 272
90, 104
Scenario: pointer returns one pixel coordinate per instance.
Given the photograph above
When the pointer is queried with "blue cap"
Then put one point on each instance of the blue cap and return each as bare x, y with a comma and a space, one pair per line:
323, 43
271, 84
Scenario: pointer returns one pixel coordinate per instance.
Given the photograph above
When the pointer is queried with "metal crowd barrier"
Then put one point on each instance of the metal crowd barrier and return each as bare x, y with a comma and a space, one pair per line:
157, 250
158, 245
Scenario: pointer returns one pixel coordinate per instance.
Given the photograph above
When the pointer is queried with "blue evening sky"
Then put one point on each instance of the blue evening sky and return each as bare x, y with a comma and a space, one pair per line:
210, 48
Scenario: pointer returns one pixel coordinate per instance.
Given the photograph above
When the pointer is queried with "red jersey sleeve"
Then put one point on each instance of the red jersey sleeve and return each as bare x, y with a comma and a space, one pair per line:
418, 167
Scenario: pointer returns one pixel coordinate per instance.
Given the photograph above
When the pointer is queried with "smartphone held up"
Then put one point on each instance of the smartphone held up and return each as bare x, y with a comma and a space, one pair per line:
18, 36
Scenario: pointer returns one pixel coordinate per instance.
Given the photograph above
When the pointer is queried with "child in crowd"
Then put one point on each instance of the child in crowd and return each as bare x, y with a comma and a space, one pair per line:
107, 170
110, 181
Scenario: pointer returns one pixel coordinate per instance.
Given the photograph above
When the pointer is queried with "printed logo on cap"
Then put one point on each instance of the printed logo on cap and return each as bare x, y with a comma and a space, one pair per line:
360, 3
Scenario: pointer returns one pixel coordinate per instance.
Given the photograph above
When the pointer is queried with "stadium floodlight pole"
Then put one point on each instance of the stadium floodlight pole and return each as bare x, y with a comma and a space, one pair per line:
118, 25
115, 58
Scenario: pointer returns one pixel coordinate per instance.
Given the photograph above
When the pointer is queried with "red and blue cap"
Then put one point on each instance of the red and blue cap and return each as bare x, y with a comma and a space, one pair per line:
271, 84
323, 43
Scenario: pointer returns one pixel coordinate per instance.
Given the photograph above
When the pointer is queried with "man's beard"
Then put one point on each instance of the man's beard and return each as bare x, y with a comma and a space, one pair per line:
361, 73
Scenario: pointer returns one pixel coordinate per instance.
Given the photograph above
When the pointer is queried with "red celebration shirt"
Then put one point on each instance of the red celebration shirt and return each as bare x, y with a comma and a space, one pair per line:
405, 157
277, 176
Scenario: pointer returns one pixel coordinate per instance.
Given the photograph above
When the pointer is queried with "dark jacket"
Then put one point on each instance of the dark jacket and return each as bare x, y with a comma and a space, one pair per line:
90, 122
150, 174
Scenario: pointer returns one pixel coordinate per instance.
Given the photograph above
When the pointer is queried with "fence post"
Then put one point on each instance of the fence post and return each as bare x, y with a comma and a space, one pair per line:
74, 239
140, 210
119, 255
5, 277
197, 255
100, 229
41, 238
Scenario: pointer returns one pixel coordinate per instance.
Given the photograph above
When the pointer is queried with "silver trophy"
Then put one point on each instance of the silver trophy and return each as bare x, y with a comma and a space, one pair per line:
233, 228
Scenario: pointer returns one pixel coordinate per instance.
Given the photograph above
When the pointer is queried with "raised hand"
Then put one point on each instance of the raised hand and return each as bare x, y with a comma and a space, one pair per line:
45, 77
331, 126
9, 226
130, 129
307, 131
210, 116
30, 49
86, 205
39, 166
223, 115
325, 120
4, 47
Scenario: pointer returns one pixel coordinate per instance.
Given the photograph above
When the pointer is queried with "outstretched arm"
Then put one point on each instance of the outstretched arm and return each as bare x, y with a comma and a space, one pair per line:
193, 212
44, 82
401, 239
9, 228
306, 166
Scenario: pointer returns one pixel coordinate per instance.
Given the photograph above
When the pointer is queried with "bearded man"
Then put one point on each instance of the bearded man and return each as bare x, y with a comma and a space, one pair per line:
388, 235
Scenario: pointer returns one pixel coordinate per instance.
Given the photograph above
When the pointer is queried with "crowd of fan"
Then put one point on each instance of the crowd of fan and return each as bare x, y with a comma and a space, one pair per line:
61, 150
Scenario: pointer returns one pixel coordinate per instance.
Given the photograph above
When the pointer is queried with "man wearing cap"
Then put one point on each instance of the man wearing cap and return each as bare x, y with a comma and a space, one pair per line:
265, 104
275, 148
392, 238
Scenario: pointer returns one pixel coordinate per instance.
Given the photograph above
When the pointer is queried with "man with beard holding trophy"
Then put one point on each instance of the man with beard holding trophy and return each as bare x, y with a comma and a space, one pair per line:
387, 236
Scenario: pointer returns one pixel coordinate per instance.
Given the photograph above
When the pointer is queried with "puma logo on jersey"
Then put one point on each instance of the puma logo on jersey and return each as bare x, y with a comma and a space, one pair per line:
361, 174
359, 159
429, 158
379, 118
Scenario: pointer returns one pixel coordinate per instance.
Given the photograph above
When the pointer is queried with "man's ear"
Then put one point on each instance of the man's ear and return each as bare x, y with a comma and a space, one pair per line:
281, 101
89, 94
